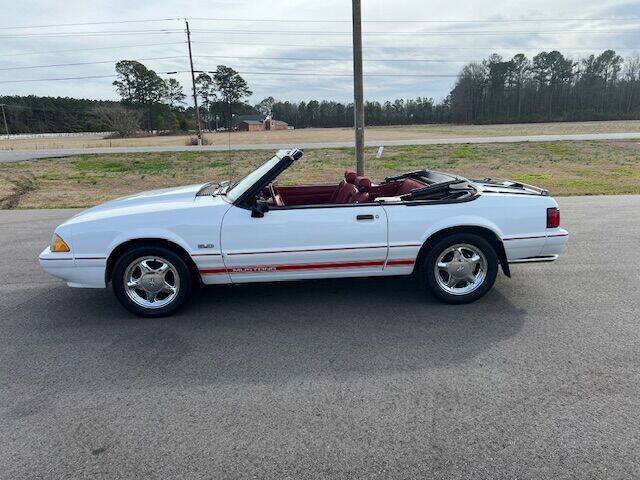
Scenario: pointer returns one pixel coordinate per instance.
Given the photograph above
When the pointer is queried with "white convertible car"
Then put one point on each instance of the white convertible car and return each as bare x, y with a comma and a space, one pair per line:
454, 233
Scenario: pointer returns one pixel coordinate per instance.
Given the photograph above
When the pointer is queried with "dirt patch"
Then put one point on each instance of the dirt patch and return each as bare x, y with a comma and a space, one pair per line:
21, 186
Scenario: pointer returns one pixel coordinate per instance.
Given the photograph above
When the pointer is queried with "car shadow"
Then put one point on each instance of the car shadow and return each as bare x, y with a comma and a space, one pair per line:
257, 333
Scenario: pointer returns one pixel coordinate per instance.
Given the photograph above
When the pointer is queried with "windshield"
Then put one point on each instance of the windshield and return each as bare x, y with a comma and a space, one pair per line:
246, 183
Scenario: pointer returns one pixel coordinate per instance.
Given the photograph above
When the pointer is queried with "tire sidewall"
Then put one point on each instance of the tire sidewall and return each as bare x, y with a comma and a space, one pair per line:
117, 280
434, 252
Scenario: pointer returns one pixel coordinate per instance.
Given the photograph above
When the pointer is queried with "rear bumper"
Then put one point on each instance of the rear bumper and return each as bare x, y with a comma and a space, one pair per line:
86, 273
536, 248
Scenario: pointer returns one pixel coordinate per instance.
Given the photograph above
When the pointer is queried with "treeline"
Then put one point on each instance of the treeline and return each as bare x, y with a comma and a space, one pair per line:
547, 87
148, 103
334, 114
34, 114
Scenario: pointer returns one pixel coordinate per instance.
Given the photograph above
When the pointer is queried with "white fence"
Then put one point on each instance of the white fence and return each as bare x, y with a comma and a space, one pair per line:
20, 136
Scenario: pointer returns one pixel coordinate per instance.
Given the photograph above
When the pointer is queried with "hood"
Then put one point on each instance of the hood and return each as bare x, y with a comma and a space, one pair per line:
153, 200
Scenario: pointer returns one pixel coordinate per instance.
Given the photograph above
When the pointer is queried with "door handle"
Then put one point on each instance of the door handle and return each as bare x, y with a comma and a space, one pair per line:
364, 217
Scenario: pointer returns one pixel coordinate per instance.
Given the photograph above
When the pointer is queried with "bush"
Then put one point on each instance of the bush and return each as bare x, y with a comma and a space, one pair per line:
122, 122
193, 140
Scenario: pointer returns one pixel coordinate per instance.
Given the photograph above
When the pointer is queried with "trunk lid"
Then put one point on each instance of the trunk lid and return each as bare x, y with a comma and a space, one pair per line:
508, 186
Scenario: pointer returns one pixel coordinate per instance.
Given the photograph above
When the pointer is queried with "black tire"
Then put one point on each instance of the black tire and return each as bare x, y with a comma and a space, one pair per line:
429, 275
185, 283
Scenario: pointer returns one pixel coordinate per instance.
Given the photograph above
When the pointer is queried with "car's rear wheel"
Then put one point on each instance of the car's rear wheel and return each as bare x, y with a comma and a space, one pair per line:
460, 268
151, 281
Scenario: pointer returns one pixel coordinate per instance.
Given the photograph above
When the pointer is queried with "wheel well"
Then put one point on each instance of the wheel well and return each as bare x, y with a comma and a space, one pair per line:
139, 242
486, 233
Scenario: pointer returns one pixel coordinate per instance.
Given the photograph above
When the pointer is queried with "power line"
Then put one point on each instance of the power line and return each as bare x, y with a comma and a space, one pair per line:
53, 109
322, 74
87, 77
313, 32
31, 80
272, 73
522, 20
235, 57
95, 34
114, 47
289, 45
89, 23
414, 34
88, 63
298, 21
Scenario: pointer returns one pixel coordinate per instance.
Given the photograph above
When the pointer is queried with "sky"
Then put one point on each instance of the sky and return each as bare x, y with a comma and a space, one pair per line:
421, 44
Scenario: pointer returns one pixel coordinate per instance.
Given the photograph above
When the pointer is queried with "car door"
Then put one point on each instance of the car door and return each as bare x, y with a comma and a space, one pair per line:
304, 242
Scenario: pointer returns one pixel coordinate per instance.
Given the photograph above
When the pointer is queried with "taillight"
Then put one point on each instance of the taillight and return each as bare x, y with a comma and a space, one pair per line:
553, 217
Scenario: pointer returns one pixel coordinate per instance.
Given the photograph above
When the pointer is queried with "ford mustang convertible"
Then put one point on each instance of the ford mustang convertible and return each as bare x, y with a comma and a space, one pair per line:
449, 231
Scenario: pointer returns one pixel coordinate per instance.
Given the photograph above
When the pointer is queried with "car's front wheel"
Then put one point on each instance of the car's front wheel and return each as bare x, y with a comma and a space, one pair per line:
151, 281
460, 268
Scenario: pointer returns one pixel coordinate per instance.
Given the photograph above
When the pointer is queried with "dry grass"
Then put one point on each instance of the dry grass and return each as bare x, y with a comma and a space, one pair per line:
566, 168
320, 135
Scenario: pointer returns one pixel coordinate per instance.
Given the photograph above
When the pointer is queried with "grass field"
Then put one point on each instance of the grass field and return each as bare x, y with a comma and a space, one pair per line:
566, 168
320, 135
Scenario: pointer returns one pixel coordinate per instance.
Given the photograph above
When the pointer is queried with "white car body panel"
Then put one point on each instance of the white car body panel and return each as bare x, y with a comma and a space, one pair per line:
304, 243
228, 245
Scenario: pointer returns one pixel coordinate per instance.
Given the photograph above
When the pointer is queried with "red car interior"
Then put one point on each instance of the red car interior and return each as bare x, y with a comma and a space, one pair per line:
352, 189
345, 188
362, 195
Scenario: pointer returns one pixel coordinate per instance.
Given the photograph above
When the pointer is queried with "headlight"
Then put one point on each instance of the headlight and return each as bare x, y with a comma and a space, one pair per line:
58, 245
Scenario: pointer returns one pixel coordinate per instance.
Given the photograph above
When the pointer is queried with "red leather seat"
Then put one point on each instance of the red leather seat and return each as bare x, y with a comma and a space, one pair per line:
345, 189
363, 191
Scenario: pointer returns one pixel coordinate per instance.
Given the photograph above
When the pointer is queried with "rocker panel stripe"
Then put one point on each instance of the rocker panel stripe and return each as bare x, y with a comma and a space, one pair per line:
307, 266
538, 236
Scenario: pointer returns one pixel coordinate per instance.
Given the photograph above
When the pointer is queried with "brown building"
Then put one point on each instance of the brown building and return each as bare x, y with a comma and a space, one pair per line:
251, 126
270, 124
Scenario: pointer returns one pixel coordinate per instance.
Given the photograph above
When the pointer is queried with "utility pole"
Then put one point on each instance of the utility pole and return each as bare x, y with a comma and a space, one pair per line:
193, 82
358, 89
4, 117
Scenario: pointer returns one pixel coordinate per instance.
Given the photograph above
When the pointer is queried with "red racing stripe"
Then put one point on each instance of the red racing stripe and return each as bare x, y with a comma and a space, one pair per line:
304, 266
213, 271
401, 263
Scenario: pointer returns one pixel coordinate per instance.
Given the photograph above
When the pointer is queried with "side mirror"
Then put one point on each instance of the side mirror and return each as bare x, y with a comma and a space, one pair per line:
259, 209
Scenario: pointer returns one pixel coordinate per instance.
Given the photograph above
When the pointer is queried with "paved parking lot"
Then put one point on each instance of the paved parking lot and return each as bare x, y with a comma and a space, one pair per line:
333, 379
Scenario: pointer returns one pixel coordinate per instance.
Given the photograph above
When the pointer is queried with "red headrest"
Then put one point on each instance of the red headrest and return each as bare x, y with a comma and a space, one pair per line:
350, 177
363, 184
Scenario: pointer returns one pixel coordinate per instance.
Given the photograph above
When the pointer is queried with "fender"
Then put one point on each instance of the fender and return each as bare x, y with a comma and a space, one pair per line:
148, 233
462, 221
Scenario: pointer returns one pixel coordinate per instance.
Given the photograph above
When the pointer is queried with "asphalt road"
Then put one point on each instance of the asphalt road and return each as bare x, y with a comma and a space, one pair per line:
330, 379
20, 155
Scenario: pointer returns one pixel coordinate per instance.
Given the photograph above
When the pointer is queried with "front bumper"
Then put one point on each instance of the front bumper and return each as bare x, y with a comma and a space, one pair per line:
83, 273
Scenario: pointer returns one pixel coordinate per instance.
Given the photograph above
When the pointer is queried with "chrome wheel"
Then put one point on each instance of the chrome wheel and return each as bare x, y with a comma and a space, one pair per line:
151, 282
460, 269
